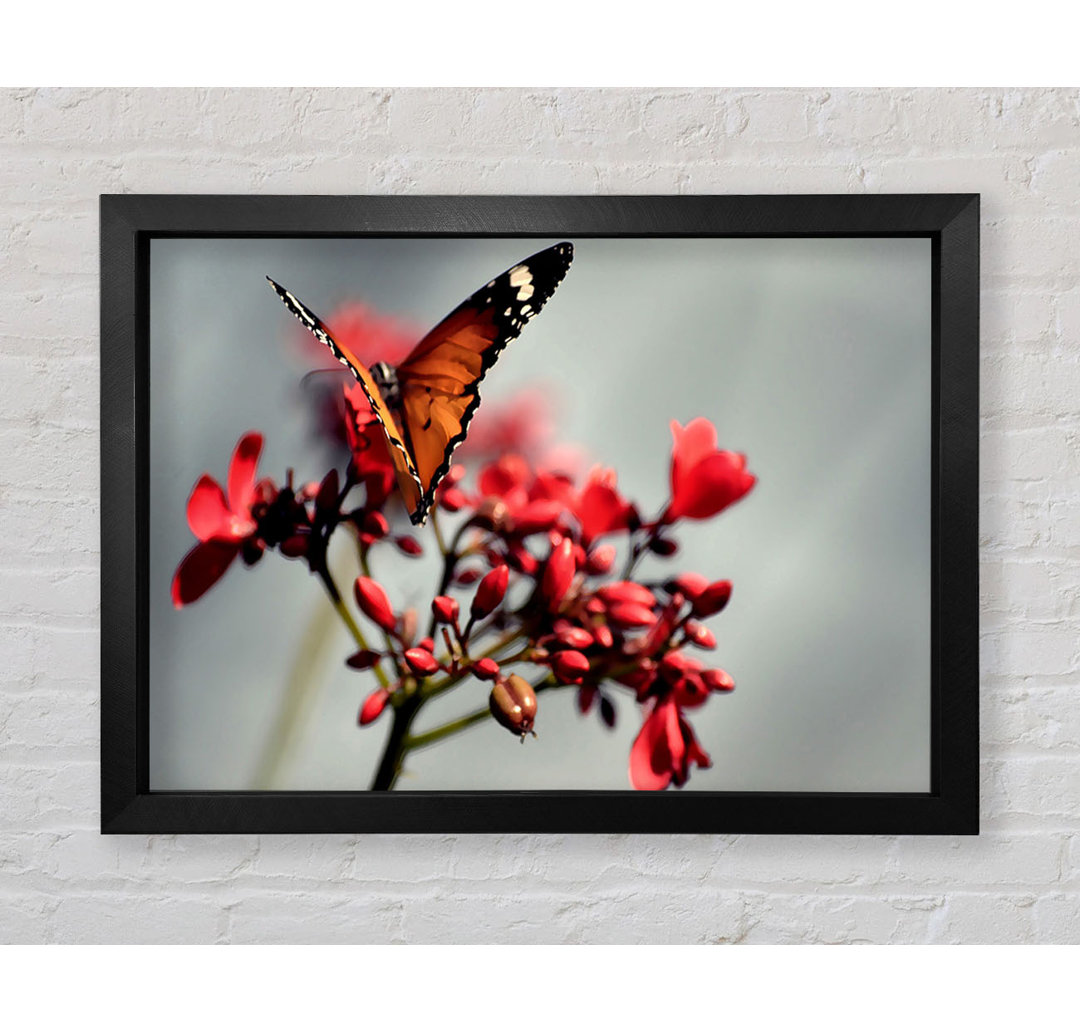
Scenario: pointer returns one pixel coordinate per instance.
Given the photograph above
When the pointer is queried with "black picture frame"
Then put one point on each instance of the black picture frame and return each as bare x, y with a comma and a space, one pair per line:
129, 222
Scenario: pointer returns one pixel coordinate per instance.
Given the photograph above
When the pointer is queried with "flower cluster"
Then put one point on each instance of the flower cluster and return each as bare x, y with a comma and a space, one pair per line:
537, 588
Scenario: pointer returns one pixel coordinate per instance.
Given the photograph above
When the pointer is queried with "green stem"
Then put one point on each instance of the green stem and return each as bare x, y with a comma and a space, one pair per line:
418, 742
434, 735
349, 622
365, 569
438, 688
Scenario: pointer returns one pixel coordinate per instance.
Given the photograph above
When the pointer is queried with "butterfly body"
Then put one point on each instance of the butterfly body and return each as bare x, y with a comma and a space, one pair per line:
426, 402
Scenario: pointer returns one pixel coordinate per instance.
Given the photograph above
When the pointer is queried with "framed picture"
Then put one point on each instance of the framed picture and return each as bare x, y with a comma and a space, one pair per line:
702, 559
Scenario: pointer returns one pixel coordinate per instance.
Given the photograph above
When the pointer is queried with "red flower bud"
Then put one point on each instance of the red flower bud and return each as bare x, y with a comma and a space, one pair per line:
689, 584
713, 599
453, 500
569, 666
409, 545
675, 664
486, 669
375, 524
559, 573
295, 546
700, 635
453, 475
490, 591
374, 706
468, 577
603, 636
372, 599
363, 659
445, 609
421, 661
626, 592
663, 546
537, 516
571, 635
408, 626
427, 643
513, 704
631, 615
327, 493
522, 560
601, 559
718, 680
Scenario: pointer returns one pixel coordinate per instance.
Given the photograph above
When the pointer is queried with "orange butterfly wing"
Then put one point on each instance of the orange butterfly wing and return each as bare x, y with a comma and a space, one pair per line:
439, 380
407, 477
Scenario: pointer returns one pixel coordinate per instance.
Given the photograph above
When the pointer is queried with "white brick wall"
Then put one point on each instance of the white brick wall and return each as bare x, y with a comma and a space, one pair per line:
61, 881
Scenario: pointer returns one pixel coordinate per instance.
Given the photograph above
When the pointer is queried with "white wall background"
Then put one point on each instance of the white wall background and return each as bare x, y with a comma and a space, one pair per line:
61, 881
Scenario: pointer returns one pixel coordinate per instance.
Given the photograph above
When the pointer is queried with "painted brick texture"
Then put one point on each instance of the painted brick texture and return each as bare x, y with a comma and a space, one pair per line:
61, 881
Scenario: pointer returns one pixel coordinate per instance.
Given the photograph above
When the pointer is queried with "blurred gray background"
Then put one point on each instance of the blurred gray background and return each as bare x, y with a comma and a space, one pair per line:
811, 356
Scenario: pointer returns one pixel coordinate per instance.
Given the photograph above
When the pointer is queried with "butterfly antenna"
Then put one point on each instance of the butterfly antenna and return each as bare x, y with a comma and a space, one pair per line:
318, 372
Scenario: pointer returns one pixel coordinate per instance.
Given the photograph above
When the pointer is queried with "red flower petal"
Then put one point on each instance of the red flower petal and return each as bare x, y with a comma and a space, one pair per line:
540, 515
664, 749
208, 513
692, 443
200, 569
242, 471
657, 750
710, 486
600, 508
510, 471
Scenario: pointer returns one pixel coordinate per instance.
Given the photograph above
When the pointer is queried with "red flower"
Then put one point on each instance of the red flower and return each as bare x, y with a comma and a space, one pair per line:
370, 452
368, 333
600, 508
517, 502
664, 749
520, 424
704, 480
223, 526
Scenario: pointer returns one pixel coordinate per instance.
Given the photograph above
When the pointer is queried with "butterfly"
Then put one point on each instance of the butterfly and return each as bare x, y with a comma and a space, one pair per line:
425, 404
